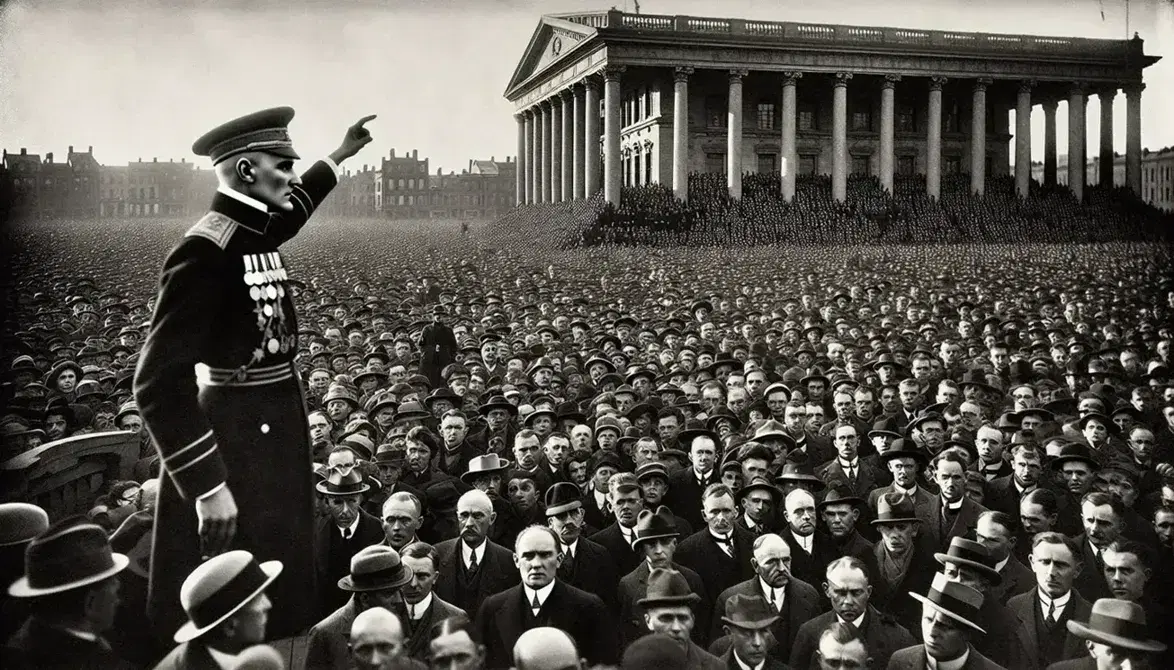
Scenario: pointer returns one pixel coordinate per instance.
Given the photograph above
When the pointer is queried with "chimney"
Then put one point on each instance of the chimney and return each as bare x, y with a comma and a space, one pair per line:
413, 154
155, 159
49, 157
91, 149
24, 151
393, 152
492, 159
71, 148
470, 165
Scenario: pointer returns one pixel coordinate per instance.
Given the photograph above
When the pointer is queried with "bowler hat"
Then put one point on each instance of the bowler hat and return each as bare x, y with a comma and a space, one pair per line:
894, 508
498, 402
749, 612
667, 588
411, 411
1117, 623
954, 599
800, 471
338, 484
21, 522
903, 448
484, 465
1074, 451
376, 568
841, 494
563, 497
653, 526
219, 588
972, 555
68, 555
601, 458
390, 455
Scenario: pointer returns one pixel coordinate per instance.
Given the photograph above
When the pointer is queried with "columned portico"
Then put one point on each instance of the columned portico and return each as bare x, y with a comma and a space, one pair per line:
567, 100
978, 137
1133, 137
1076, 140
591, 138
519, 172
611, 135
788, 162
734, 134
840, 136
578, 155
544, 152
933, 149
1106, 97
681, 132
1050, 142
556, 149
1023, 139
888, 104
528, 166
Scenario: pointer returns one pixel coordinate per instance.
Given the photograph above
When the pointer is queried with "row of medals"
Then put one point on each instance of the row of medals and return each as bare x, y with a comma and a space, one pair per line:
264, 274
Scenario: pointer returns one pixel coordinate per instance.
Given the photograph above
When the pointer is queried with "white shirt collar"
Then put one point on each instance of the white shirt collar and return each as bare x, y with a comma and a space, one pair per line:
779, 594
479, 551
226, 661
600, 498
350, 530
953, 506
81, 634
572, 548
421, 607
854, 463
241, 197
858, 621
1002, 564
702, 476
956, 664
1060, 603
543, 593
911, 492
805, 541
749, 522
743, 666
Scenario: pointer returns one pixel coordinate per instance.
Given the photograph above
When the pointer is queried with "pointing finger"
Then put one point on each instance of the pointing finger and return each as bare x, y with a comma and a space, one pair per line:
365, 119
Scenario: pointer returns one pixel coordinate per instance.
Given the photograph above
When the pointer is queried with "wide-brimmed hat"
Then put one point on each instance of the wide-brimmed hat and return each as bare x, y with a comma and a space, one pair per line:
376, 568
800, 472
904, 448
1110, 427
219, 587
498, 402
70, 554
653, 526
484, 465
338, 484
359, 445
761, 484
21, 522
749, 612
411, 411
894, 508
667, 587
972, 555
1074, 451
841, 494
390, 455
563, 497
954, 599
1117, 623
773, 430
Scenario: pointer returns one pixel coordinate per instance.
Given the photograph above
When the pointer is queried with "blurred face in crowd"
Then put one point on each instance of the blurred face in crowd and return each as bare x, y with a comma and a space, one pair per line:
840, 519
645, 451
702, 453
1055, 568
401, 521
627, 505
800, 512
815, 416
758, 505
1096, 432
556, 450
659, 551
344, 510
904, 471
932, 434
865, 403
581, 437
1141, 443
951, 480
526, 452
834, 655
847, 443
989, 442
1077, 476
898, 537
1164, 527
55, 426
995, 537
848, 590
676, 622
653, 489
338, 410
1125, 574
453, 429
1027, 467
522, 493
417, 455
319, 381
567, 524
1034, 518
945, 638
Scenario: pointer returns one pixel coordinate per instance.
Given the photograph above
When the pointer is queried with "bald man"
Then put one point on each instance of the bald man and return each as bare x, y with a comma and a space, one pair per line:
546, 648
473, 567
811, 550
377, 642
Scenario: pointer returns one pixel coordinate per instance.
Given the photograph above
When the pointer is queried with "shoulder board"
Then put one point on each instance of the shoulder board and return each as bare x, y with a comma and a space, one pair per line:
215, 227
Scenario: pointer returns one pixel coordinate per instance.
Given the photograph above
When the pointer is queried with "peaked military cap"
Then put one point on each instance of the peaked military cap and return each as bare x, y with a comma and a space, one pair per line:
266, 130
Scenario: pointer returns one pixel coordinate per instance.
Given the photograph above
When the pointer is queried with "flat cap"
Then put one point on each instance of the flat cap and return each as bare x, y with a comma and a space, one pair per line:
266, 130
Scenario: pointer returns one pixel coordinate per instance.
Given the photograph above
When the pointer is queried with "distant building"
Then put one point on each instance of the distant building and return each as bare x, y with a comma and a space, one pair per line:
23, 173
84, 191
1157, 175
404, 187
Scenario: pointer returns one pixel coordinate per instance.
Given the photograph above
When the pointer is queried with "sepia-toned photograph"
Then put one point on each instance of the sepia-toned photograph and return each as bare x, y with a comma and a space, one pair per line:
574, 335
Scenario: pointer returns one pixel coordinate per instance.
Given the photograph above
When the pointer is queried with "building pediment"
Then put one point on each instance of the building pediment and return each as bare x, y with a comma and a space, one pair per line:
552, 41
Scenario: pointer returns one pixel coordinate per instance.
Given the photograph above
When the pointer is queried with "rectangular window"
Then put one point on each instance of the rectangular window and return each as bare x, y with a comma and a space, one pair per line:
715, 111
715, 163
808, 163
860, 165
768, 163
766, 116
905, 166
636, 169
648, 166
808, 119
906, 121
862, 120
950, 119
952, 165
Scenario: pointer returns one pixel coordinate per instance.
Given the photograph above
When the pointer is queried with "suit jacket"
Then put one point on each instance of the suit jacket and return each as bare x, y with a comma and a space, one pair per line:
1091, 581
368, 532
913, 658
593, 570
1024, 649
1002, 495
810, 567
634, 586
769, 663
592, 515
1017, 578
697, 658
921, 500
37, 645
497, 569
963, 525
684, 494
700, 553
801, 601
895, 600
867, 475
416, 633
883, 636
327, 647
503, 618
622, 555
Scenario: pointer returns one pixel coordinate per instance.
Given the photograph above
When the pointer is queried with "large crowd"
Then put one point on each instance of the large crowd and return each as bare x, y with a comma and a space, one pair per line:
784, 451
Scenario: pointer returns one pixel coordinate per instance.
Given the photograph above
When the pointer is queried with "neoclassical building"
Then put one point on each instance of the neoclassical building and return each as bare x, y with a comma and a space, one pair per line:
612, 98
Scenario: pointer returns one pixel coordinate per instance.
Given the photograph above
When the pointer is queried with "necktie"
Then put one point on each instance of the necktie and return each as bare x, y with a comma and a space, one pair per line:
412, 612
774, 601
536, 605
1050, 620
473, 561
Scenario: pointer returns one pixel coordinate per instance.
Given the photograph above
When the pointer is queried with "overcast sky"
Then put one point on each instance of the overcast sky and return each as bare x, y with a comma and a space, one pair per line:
144, 78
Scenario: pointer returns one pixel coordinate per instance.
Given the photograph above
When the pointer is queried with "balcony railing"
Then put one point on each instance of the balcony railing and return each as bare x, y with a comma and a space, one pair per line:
813, 33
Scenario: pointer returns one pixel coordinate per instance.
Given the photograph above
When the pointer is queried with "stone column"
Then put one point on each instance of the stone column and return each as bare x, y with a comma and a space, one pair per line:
1133, 137
1050, 142
543, 178
1105, 169
734, 113
1023, 139
519, 175
933, 144
612, 177
978, 137
1076, 140
681, 132
556, 148
528, 166
887, 129
840, 136
577, 152
568, 133
590, 137
789, 158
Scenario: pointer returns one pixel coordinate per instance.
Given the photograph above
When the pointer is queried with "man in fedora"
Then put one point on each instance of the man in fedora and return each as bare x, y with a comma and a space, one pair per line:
542, 600
655, 540
669, 610
586, 565
970, 563
840, 510
423, 608
19, 523
487, 473
906, 463
748, 622
223, 303
1041, 638
498, 434
376, 575
473, 567
340, 534
1115, 634
71, 586
901, 561
948, 613
228, 611
793, 600
760, 502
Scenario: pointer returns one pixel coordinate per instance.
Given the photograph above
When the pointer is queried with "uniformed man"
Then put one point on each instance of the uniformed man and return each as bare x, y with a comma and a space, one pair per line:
224, 319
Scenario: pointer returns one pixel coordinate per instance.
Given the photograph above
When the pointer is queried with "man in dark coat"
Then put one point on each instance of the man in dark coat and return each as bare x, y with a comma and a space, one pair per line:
951, 513
471, 566
341, 534
811, 549
619, 538
686, 485
720, 550
224, 303
424, 608
656, 539
995, 531
1041, 636
542, 600
970, 563
438, 346
747, 624
902, 562
586, 565
948, 613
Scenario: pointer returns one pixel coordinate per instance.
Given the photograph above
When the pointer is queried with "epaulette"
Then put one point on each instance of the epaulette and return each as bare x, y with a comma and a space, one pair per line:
215, 227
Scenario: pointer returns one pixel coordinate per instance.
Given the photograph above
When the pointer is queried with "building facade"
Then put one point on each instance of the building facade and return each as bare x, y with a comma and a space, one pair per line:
606, 99
1157, 175
44, 189
404, 187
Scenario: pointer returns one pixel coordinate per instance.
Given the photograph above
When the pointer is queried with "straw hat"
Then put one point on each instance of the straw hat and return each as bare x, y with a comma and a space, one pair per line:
219, 588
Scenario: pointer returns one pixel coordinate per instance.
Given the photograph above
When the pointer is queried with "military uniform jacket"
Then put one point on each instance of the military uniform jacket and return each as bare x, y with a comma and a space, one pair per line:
224, 301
